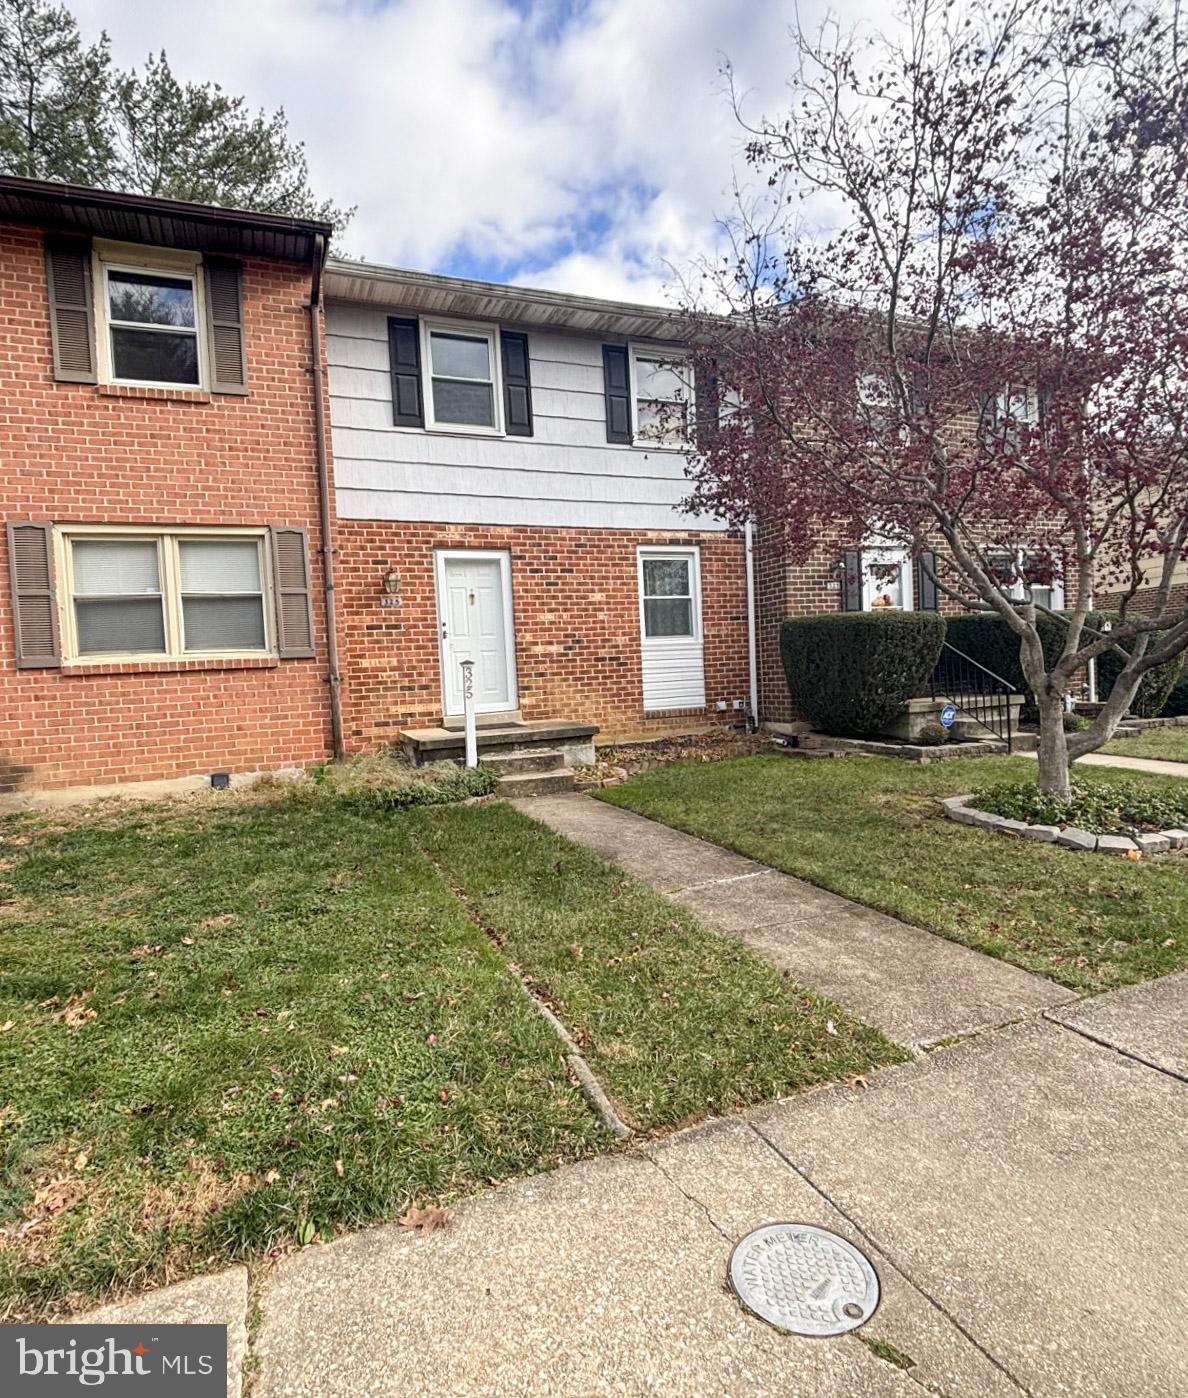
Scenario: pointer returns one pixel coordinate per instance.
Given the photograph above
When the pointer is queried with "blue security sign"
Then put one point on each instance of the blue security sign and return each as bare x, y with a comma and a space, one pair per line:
948, 716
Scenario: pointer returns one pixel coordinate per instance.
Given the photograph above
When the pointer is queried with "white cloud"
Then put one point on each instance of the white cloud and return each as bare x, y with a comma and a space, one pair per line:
576, 146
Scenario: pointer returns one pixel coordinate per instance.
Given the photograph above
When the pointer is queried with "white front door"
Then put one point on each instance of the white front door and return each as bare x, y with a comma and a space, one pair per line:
475, 621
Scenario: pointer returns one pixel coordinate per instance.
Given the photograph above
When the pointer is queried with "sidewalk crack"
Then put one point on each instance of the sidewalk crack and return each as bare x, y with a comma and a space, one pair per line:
892, 1261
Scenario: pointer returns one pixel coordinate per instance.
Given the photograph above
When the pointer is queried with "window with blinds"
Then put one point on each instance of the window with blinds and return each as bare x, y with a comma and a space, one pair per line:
166, 595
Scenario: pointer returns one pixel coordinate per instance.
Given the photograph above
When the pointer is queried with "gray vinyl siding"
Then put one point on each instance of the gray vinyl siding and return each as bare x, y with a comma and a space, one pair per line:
565, 475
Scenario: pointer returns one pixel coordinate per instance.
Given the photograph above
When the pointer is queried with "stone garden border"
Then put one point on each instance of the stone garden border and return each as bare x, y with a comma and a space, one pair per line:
958, 808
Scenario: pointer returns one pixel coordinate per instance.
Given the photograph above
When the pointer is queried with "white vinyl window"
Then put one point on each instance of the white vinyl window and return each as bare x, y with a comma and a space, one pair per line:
886, 579
662, 392
462, 389
669, 595
147, 594
150, 324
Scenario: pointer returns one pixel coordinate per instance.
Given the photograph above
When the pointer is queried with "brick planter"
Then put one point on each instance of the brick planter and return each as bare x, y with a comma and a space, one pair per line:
1162, 842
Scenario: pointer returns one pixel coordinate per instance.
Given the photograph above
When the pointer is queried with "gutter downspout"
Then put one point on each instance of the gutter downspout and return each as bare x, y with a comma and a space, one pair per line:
752, 649
333, 678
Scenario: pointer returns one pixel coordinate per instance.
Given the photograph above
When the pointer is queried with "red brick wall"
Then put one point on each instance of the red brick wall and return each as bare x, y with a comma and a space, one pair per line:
74, 453
576, 601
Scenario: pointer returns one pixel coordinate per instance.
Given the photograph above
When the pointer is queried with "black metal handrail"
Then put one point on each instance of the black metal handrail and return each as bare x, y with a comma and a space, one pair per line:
978, 693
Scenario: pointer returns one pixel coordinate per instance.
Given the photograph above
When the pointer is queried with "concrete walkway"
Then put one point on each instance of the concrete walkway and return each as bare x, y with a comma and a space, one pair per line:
917, 987
1021, 1195
1134, 764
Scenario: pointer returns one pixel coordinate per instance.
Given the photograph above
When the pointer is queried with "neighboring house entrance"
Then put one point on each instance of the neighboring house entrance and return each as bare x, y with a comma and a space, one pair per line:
475, 622
670, 623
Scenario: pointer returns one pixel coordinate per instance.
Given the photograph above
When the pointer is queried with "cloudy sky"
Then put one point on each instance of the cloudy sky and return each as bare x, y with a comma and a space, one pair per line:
577, 144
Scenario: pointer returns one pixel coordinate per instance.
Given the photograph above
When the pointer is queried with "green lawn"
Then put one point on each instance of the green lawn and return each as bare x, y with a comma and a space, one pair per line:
227, 1024
871, 829
1170, 744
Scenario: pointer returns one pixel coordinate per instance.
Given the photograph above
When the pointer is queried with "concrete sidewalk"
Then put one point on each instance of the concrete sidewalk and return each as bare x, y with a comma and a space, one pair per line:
1022, 1197
1159, 765
917, 987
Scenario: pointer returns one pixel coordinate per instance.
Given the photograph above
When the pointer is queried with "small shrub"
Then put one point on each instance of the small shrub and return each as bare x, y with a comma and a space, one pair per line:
932, 735
386, 781
1076, 723
1103, 808
850, 673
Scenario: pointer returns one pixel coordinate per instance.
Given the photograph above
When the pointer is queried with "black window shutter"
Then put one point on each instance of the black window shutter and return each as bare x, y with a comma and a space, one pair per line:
616, 380
224, 326
517, 384
34, 605
404, 349
72, 310
706, 405
927, 592
852, 580
293, 600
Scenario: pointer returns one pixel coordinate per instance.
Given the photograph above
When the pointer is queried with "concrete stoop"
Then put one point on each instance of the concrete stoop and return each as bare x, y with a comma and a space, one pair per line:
531, 759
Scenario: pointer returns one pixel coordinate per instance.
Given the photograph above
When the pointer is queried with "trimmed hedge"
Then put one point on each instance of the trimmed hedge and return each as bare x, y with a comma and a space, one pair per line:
851, 673
986, 638
1154, 689
1177, 700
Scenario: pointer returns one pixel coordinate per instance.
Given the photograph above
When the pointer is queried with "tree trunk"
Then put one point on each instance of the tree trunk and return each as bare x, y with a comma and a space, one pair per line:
1055, 772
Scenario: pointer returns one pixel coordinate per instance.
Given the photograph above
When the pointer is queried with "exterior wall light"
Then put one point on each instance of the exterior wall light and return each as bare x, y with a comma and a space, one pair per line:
391, 582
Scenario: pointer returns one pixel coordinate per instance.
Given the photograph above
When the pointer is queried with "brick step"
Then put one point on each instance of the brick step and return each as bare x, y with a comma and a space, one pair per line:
535, 784
515, 764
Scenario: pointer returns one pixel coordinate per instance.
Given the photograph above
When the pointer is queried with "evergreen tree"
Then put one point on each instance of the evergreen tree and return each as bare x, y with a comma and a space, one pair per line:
67, 114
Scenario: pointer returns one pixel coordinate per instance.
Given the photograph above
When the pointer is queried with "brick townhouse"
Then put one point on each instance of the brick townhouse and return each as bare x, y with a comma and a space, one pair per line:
162, 615
195, 397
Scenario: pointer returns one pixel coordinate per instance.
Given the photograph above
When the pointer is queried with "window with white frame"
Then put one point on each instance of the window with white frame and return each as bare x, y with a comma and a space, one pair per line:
158, 594
662, 388
462, 369
151, 324
1011, 571
668, 595
886, 579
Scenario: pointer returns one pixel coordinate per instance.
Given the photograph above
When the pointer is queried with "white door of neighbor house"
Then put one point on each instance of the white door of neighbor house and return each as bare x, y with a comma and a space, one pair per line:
474, 614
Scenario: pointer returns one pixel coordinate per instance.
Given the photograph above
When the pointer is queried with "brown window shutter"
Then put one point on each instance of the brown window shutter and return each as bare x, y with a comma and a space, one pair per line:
34, 605
294, 603
72, 310
517, 384
224, 327
404, 352
616, 383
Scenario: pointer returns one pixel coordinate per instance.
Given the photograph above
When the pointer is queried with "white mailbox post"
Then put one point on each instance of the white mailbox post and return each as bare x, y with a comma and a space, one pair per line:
468, 713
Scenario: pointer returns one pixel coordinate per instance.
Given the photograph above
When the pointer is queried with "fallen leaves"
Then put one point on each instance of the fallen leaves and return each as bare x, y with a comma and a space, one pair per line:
339, 1169
427, 1219
75, 1012
831, 1028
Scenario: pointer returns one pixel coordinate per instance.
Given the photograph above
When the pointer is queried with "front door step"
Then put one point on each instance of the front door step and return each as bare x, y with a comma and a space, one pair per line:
531, 759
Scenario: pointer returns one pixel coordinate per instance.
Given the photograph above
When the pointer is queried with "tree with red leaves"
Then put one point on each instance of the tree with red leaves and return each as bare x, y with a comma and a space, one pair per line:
983, 357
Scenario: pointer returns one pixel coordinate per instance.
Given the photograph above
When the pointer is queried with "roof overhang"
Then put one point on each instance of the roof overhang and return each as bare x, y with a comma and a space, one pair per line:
399, 289
170, 223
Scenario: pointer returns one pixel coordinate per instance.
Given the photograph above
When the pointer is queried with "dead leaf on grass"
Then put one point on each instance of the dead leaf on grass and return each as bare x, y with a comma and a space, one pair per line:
75, 1012
426, 1219
830, 1027
337, 1050
222, 920
339, 1169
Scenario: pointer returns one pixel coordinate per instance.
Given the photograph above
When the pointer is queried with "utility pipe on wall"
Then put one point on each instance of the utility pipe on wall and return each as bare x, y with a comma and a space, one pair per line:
752, 648
325, 513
